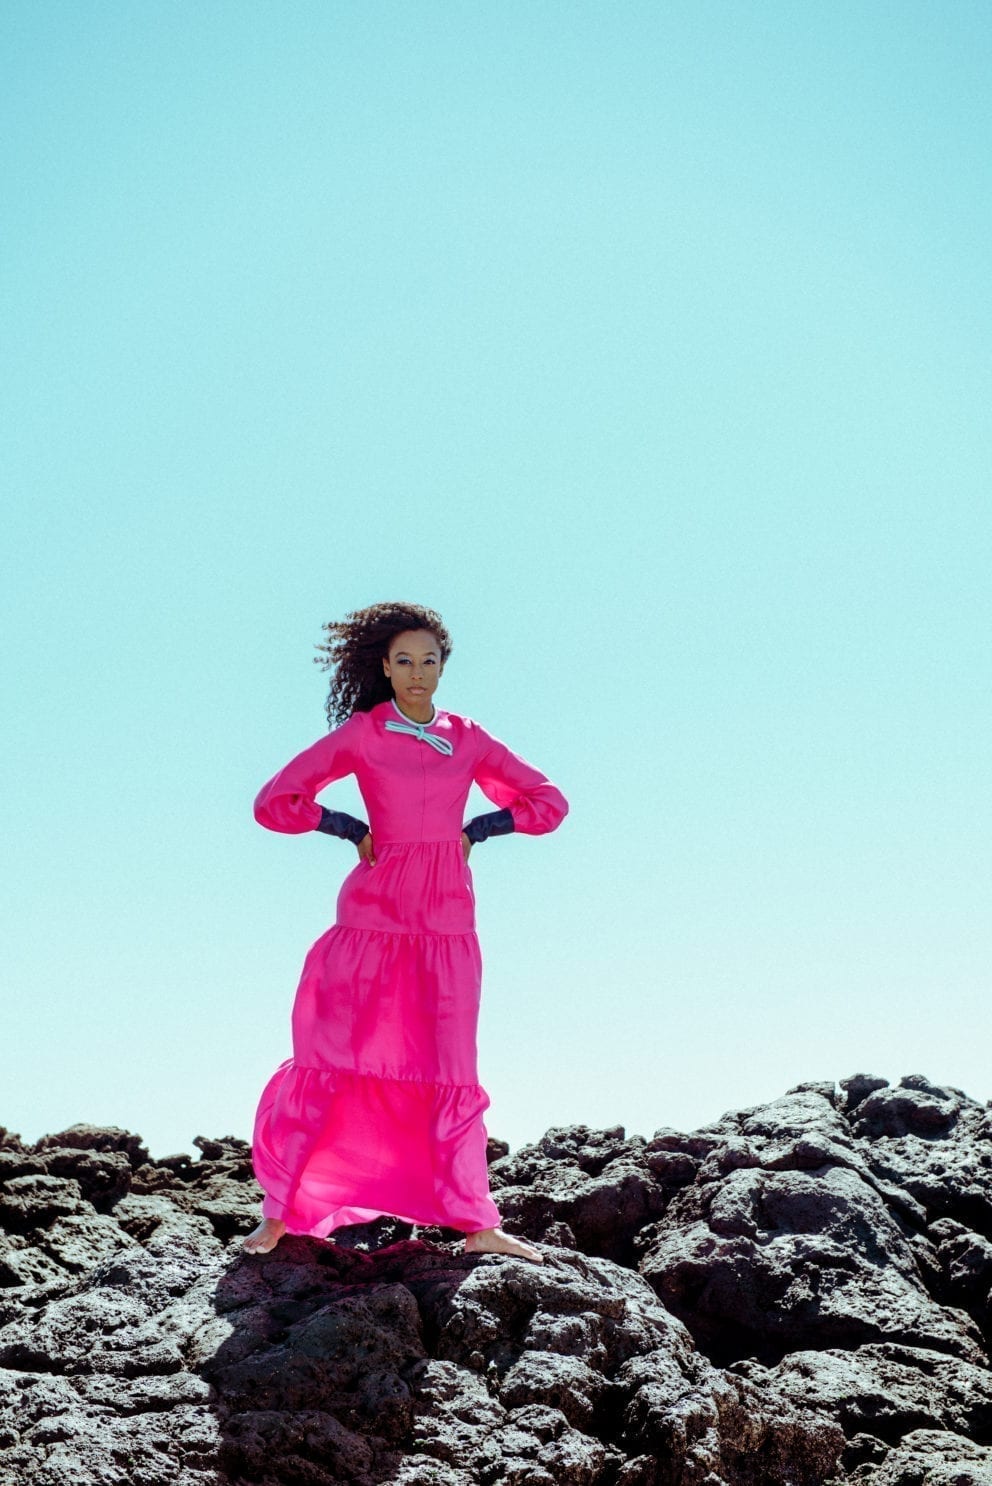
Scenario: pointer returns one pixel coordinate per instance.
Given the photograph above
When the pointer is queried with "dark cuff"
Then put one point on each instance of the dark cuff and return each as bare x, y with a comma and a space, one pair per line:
338, 823
496, 823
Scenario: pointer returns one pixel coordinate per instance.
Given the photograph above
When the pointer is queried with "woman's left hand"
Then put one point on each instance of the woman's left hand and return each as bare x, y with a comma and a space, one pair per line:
466, 845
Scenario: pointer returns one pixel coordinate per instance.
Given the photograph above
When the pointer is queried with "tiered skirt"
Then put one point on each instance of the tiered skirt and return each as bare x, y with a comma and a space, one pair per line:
380, 1110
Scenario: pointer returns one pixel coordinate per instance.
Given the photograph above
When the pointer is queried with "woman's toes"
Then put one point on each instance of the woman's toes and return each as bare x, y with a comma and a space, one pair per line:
495, 1241
264, 1237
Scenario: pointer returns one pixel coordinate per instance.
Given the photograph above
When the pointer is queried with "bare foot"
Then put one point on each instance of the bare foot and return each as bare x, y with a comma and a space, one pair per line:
264, 1237
495, 1241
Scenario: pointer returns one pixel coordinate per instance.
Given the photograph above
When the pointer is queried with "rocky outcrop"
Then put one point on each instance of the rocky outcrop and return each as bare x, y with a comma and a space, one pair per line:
798, 1293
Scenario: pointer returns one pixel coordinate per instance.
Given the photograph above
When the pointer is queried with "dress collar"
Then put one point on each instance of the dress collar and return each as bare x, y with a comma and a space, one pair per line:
430, 723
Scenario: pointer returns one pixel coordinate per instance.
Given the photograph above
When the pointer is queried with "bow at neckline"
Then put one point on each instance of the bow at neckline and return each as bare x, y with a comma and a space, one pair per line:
418, 730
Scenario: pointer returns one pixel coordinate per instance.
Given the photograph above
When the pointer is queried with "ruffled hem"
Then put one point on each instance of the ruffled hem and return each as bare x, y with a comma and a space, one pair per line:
332, 1147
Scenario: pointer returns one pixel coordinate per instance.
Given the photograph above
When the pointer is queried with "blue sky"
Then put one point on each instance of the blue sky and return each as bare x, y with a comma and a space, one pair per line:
649, 344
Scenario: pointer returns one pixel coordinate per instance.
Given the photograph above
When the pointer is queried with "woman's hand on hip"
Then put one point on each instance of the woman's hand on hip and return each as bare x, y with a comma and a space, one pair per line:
365, 849
466, 844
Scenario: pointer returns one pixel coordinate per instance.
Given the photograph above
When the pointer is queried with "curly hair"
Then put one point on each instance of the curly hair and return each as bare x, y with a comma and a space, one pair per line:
357, 646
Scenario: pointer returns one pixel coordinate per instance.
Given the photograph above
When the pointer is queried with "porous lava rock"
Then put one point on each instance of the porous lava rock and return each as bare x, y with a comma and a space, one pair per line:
797, 1294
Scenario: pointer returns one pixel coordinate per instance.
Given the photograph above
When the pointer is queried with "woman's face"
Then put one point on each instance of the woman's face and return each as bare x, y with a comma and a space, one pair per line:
414, 668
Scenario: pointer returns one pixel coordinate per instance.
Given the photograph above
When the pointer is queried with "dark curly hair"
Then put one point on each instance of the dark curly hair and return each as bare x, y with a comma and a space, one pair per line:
357, 646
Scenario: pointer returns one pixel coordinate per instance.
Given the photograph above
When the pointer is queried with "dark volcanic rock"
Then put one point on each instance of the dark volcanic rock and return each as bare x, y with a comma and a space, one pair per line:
787, 1240
798, 1293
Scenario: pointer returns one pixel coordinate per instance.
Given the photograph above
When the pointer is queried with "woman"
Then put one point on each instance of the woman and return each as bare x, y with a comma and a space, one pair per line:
379, 1110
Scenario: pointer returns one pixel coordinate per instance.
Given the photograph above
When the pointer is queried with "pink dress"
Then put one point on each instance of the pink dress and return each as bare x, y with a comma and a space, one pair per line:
379, 1110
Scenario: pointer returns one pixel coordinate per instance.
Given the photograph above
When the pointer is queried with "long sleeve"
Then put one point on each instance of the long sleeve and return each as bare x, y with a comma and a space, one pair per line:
287, 802
537, 805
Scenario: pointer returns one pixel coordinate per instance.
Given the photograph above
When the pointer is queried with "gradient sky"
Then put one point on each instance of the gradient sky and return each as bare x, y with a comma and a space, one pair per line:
650, 345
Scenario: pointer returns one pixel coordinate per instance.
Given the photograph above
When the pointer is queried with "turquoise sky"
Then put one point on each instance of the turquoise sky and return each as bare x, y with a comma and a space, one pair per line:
650, 345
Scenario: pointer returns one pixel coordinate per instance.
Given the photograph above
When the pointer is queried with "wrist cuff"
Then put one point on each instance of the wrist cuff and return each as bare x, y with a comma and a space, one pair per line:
339, 823
496, 823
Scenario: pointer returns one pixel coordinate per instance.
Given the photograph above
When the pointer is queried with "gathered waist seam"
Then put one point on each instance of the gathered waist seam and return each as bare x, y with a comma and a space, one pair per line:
413, 840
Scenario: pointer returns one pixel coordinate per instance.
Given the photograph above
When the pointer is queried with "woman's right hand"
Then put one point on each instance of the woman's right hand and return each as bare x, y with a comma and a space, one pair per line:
365, 849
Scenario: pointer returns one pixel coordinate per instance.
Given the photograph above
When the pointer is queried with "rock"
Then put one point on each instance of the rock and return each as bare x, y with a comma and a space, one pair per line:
796, 1294
915, 1107
858, 1087
96, 1138
597, 1183
32, 1202
104, 1177
883, 1389
930, 1457
768, 1261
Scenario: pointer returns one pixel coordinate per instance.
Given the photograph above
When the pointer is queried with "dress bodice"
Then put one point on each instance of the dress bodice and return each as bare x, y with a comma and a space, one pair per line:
413, 791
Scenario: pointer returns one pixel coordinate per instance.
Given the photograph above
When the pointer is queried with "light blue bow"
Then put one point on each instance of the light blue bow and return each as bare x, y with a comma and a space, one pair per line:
443, 745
